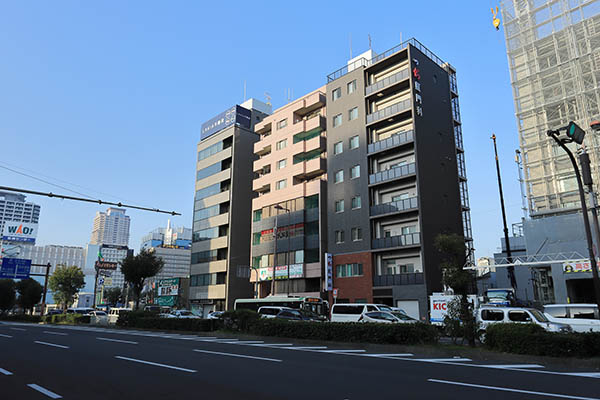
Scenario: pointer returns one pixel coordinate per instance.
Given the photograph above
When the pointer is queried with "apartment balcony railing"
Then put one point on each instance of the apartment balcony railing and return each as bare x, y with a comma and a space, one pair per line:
412, 239
391, 142
392, 173
389, 111
386, 82
395, 206
414, 278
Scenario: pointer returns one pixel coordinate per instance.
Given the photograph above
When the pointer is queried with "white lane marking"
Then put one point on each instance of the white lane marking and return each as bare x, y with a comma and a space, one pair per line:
18, 329
307, 348
225, 340
5, 372
45, 391
584, 374
116, 340
245, 342
237, 355
342, 351
562, 396
155, 364
516, 366
56, 333
272, 344
51, 344
388, 355
8, 336
443, 360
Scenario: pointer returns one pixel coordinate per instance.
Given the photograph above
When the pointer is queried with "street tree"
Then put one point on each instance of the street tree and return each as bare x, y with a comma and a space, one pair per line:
65, 283
454, 275
30, 293
112, 295
137, 268
8, 295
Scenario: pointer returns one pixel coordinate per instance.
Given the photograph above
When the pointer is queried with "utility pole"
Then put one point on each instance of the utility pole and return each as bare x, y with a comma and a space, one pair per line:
511, 268
586, 173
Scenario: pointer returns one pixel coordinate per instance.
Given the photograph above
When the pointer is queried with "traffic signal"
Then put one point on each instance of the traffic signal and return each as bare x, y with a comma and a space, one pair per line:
575, 133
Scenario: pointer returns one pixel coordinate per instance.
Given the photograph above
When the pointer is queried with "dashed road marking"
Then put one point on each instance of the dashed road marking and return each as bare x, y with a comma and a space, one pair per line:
51, 344
5, 372
237, 355
45, 391
156, 364
442, 360
6, 336
116, 340
342, 351
503, 366
386, 355
56, 333
18, 329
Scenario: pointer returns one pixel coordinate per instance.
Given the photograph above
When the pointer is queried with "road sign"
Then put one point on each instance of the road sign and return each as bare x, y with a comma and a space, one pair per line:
335, 293
15, 268
101, 281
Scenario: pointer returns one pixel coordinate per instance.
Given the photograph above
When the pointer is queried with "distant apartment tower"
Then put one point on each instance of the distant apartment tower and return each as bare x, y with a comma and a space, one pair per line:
13, 207
291, 182
396, 175
111, 227
554, 61
222, 208
173, 246
55, 255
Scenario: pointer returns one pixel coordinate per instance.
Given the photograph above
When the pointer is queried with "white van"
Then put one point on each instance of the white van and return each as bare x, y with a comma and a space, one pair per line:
113, 314
347, 312
489, 315
580, 317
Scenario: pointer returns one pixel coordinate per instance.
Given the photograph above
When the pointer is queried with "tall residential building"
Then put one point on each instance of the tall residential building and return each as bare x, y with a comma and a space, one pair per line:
173, 246
396, 175
111, 227
219, 269
13, 207
291, 182
554, 60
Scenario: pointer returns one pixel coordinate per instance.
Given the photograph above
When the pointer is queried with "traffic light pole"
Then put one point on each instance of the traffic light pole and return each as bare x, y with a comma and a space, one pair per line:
586, 220
586, 172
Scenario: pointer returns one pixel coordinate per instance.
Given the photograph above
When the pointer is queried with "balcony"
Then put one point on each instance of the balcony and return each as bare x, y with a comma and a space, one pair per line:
395, 206
310, 168
410, 240
318, 122
310, 103
261, 184
387, 82
392, 173
391, 142
390, 111
415, 278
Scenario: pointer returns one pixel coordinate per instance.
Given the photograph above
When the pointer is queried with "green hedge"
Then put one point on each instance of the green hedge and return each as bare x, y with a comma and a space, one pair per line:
534, 340
149, 320
66, 319
21, 318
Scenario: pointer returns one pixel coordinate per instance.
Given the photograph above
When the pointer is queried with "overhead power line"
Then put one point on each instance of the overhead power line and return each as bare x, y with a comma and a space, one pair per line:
98, 201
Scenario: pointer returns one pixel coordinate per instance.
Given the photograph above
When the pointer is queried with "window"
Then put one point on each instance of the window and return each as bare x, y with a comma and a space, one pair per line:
355, 172
347, 270
282, 144
518, 316
210, 150
282, 184
356, 234
281, 163
207, 212
352, 113
406, 230
351, 86
282, 124
257, 215
336, 94
339, 236
338, 148
401, 196
492, 315
208, 171
354, 142
339, 206
337, 120
206, 234
557, 312
339, 176
356, 202
582, 312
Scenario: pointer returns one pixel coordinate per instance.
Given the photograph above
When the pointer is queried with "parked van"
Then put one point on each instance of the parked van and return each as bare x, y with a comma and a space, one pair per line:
80, 310
113, 314
271, 311
347, 312
580, 317
489, 315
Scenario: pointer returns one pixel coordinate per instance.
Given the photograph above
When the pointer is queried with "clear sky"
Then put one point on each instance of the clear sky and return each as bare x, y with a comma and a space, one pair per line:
107, 98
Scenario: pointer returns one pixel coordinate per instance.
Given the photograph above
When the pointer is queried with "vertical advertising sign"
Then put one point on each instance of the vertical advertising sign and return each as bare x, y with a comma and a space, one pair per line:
328, 272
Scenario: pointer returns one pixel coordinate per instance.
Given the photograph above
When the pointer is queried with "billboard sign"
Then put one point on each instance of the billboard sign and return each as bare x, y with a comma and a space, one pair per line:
19, 232
573, 267
328, 272
296, 271
168, 287
235, 115
15, 268
265, 274
106, 265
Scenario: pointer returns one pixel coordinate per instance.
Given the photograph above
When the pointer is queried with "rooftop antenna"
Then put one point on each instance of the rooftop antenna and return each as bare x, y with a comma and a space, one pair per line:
268, 97
400, 37
288, 95
369, 41
351, 46
244, 90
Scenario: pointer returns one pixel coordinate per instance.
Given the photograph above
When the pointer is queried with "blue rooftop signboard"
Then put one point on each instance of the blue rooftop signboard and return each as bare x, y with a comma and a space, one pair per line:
235, 115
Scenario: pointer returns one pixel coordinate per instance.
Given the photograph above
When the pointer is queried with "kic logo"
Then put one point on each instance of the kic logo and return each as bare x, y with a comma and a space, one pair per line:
20, 230
440, 306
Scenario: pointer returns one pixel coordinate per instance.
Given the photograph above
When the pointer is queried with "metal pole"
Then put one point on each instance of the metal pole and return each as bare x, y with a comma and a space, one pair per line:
95, 288
45, 288
510, 269
586, 173
586, 221
274, 256
287, 256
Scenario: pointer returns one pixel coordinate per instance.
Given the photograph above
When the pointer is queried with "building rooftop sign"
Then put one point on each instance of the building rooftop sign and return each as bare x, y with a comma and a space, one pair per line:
234, 115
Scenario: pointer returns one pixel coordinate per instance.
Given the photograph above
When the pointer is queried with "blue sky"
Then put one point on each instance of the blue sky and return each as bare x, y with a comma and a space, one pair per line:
110, 96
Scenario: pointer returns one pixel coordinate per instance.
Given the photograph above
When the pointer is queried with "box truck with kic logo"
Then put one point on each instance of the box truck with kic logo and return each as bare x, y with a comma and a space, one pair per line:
438, 306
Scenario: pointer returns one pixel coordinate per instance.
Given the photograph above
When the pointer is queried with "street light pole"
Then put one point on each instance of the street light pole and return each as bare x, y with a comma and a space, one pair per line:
586, 220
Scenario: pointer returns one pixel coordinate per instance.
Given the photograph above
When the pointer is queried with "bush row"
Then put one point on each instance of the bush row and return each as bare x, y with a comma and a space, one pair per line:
66, 319
532, 339
21, 318
147, 320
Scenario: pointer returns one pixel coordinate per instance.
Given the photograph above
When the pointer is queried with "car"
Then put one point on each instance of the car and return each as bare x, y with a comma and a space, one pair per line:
387, 317
580, 317
98, 317
152, 308
489, 315
80, 310
55, 311
348, 312
215, 315
183, 314
113, 314
271, 311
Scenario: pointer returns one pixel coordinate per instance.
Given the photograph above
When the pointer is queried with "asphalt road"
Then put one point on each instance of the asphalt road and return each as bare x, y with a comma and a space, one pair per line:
42, 362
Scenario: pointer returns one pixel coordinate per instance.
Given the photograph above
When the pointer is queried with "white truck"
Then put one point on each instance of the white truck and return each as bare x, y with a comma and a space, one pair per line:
438, 306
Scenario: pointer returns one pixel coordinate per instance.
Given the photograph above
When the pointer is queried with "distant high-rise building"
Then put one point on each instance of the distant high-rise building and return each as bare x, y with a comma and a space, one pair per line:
173, 246
168, 237
111, 227
554, 61
13, 207
55, 255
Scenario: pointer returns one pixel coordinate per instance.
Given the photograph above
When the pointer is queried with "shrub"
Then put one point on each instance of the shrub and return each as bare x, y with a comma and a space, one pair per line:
21, 318
240, 320
66, 319
149, 320
534, 340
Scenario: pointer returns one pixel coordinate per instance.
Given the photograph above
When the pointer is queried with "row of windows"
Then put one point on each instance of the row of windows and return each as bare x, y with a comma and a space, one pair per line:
352, 115
356, 235
212, 150
208, 191
207, 212
354, 173
293, 257
284, 207
208, 171
346, 270
282, 232
339, 146
355, 203
337, 92
208, 279
209, 255
206, 234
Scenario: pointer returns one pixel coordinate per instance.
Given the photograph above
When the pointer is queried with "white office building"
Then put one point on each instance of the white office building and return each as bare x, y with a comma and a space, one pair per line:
53, 254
